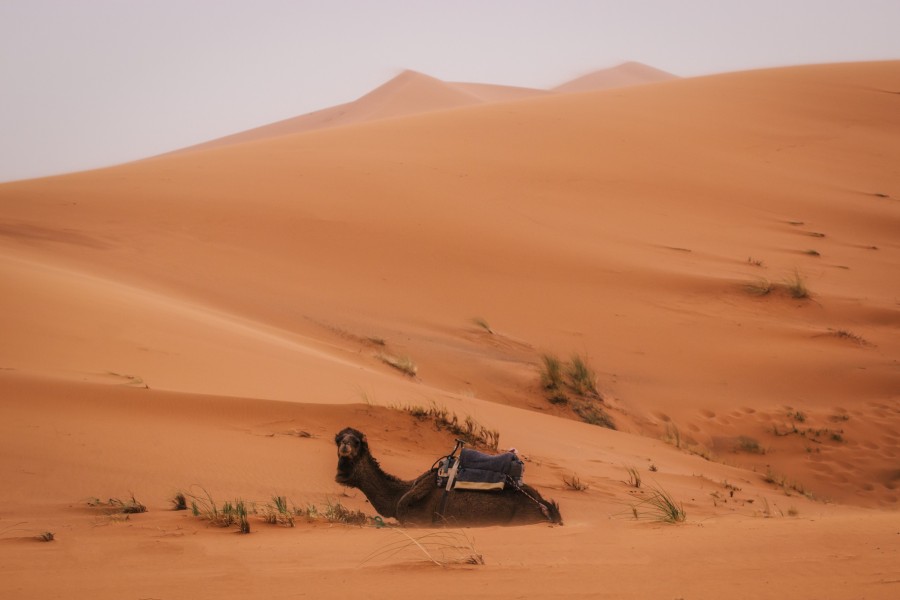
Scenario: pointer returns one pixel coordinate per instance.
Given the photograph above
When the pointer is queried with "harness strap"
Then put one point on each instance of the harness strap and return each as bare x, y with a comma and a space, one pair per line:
451, 478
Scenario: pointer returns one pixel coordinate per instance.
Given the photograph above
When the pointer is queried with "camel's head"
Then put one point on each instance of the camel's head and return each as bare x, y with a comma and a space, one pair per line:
351, 444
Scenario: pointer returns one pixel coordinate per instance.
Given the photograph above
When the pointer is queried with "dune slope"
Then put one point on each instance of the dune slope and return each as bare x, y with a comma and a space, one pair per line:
721, 250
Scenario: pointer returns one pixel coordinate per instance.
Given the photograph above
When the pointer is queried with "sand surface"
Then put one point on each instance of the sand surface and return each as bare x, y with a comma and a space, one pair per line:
207, 320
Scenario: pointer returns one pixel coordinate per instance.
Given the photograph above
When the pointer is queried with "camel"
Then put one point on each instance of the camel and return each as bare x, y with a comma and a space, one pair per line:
419, 501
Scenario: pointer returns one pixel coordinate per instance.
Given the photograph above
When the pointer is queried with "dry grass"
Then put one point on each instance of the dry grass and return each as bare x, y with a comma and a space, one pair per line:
559, 380
551, 372
404, 364
442, 548
592, 413
574, 483
796, 286
749, 445
277, 512
230, 514
659, 506
849, 335
787, 485
581, 377
178, 501
335, 512
468, 429
634, 477
759, 287
115, 505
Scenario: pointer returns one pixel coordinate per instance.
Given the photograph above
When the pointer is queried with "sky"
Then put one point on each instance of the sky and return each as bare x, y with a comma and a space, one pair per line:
92, 83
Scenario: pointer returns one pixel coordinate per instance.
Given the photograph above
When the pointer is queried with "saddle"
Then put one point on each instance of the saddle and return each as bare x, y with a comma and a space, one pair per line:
478, 471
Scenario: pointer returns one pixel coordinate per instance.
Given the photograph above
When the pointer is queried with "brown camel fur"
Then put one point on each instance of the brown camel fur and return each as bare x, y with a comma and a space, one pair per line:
418, 502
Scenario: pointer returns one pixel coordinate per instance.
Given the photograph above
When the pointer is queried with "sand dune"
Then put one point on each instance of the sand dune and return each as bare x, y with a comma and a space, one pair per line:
177, 322
406, 94
411, 93
624, 75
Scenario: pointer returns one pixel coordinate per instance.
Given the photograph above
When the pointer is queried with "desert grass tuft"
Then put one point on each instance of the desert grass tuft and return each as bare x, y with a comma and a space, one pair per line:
661, 506
634, 476
559, 380
551, 372
243, 522
798, 416
228, 515
483, 324
178, 501
442, 548
849, 335
796, 286
581, 377
593, 414
575, 483
787, 485
115, 505
468, 428
558, 397
277, 512
759, 287
749, 445
404, 364
335, 512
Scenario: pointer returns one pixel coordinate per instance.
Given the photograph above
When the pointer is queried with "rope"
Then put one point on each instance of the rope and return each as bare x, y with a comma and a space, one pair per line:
544, 509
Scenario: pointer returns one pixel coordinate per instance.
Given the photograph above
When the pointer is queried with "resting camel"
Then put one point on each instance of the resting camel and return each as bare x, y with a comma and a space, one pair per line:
418, 502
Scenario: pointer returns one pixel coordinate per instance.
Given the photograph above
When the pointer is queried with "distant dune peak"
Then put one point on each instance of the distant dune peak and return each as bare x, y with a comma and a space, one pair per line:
625, 74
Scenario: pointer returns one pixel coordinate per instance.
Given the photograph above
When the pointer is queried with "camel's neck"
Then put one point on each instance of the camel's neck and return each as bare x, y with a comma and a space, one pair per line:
383, 490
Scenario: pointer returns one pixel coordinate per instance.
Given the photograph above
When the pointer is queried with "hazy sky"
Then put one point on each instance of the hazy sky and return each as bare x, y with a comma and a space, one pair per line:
89, 83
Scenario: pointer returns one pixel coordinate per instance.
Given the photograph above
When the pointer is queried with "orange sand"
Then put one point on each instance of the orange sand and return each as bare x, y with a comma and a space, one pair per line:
175, 323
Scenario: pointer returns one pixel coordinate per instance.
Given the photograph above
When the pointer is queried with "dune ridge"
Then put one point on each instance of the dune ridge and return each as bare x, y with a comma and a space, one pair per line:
411, 92
207, 306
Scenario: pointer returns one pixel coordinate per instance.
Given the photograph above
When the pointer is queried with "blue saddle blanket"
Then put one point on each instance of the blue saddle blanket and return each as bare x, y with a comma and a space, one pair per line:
480, 471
